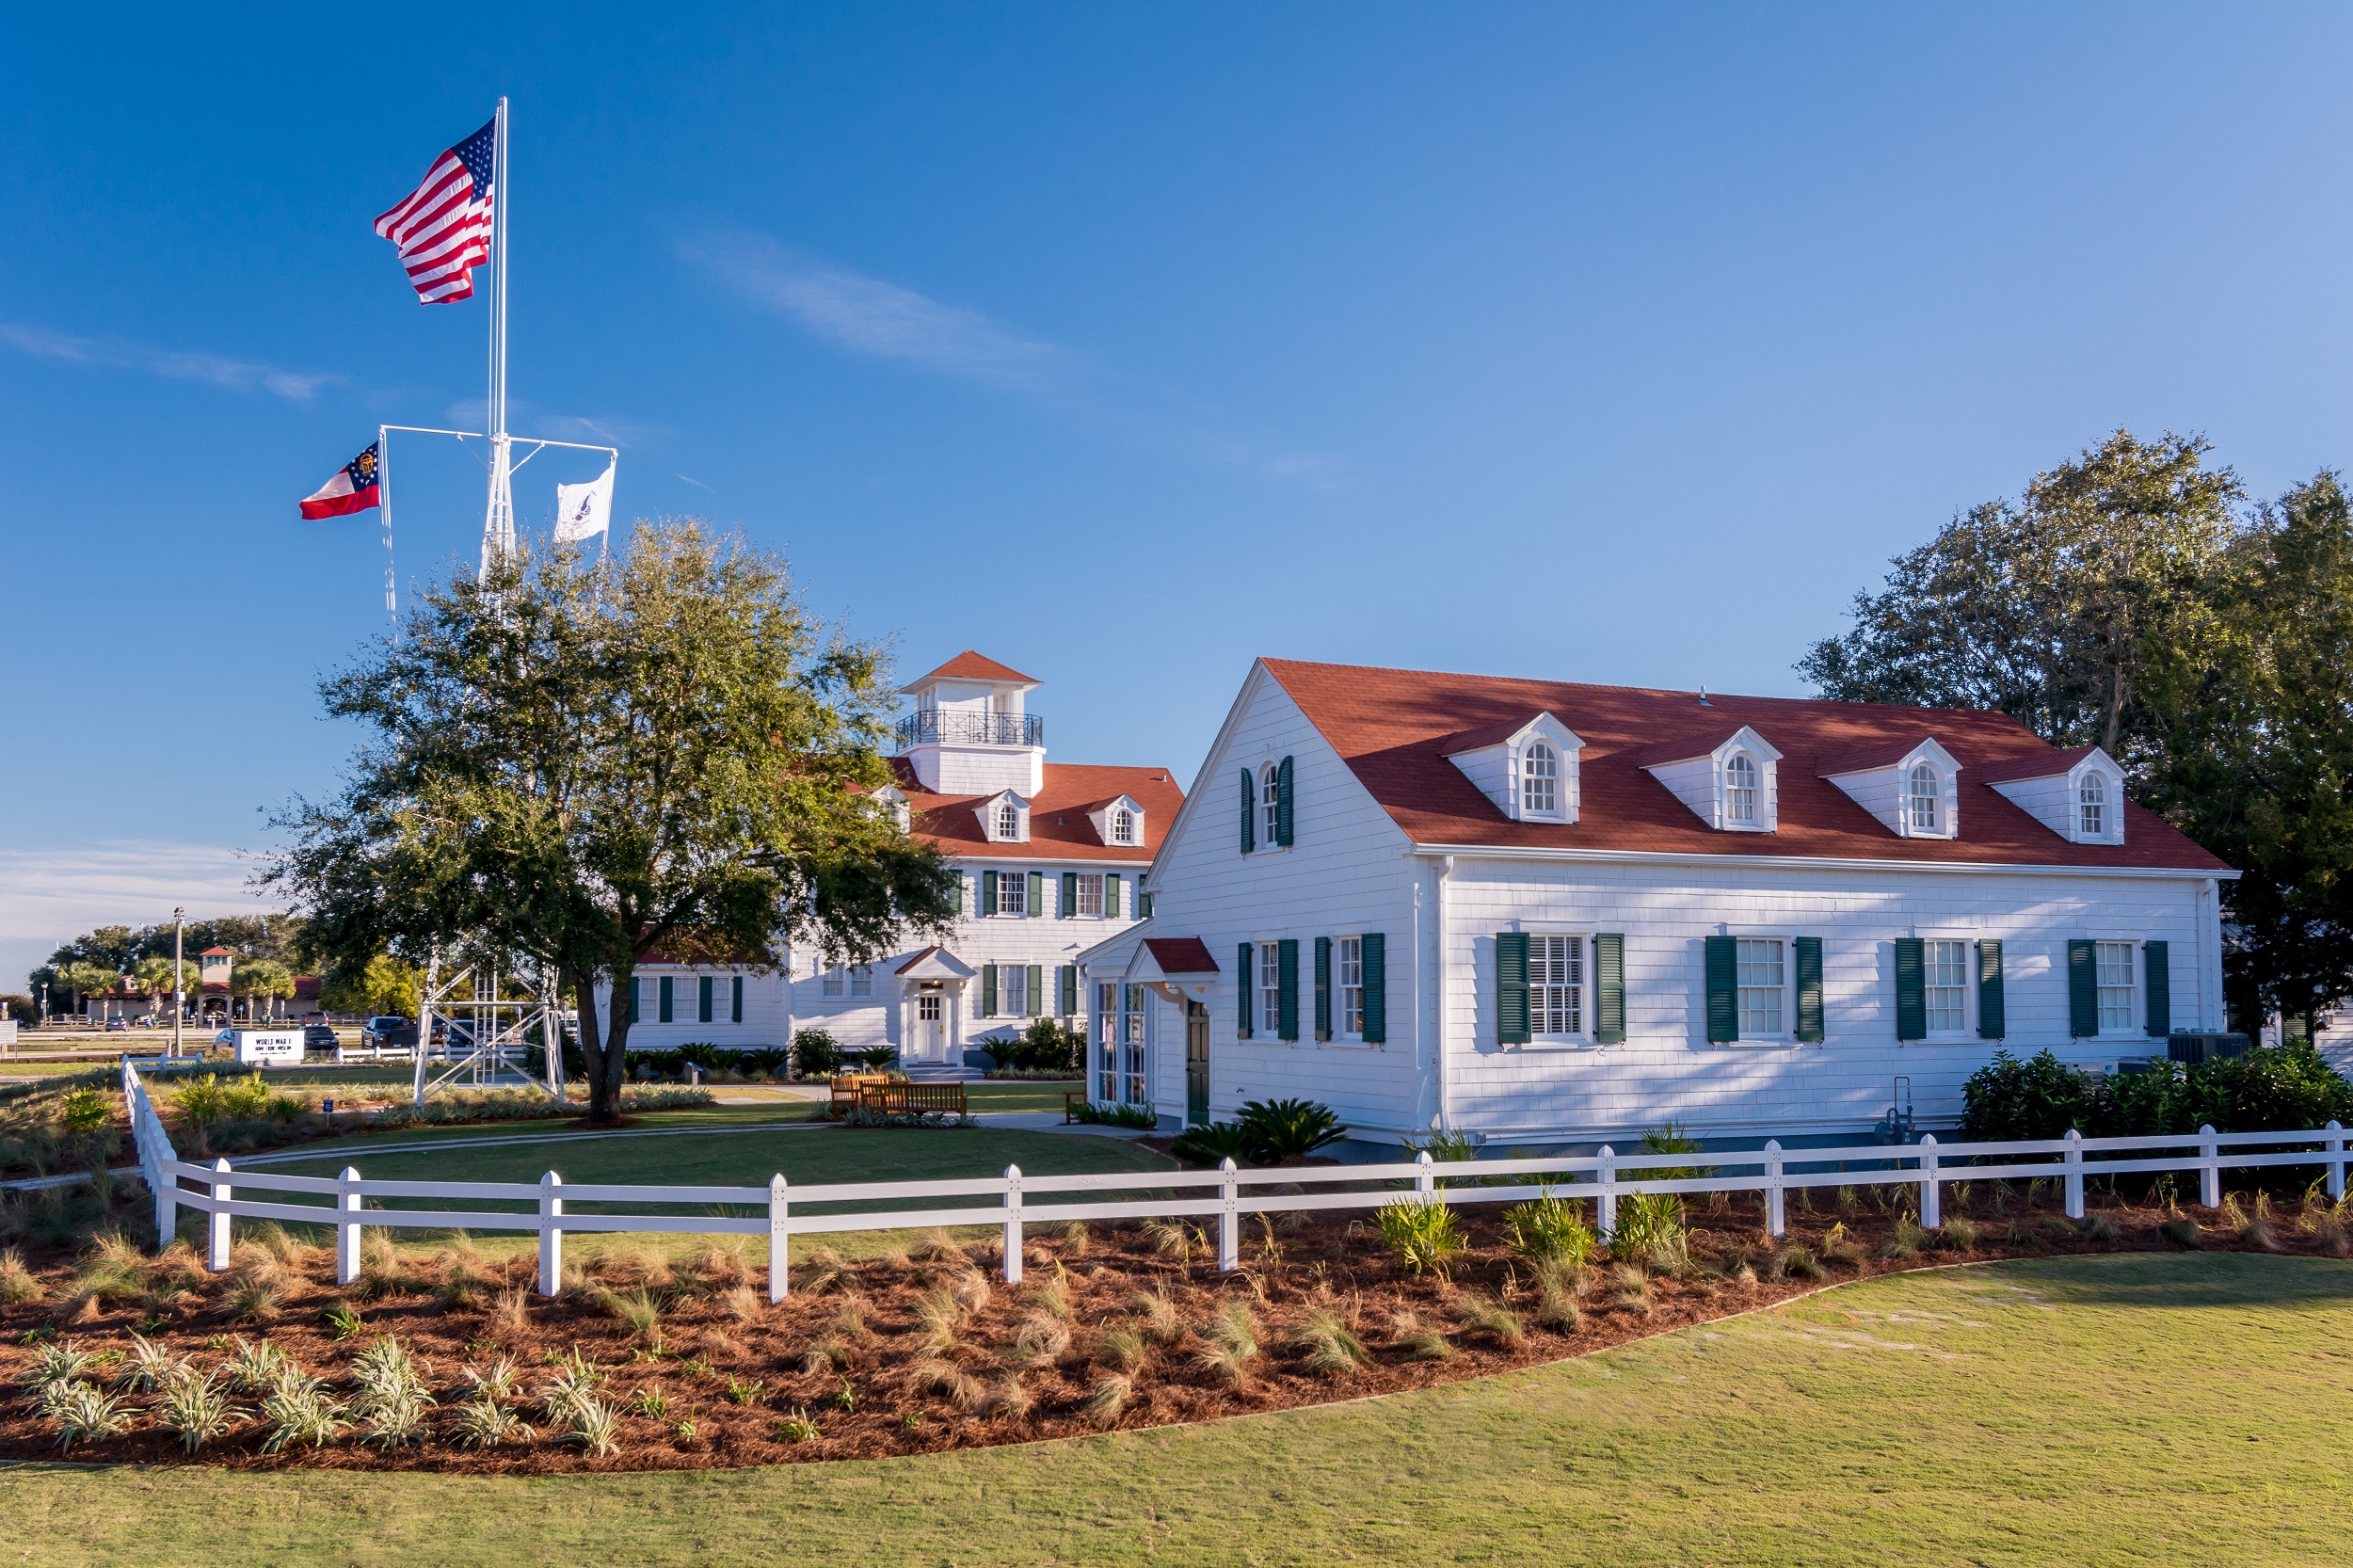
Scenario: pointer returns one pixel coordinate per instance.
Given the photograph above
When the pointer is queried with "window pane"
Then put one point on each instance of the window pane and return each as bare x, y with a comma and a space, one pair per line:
1757, 963
1270, 988
1555, 985
1948, 978
1013, 893
2115, 960
1091, 893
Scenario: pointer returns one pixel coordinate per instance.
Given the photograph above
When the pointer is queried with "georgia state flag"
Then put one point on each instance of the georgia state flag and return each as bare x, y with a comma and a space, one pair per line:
352, 489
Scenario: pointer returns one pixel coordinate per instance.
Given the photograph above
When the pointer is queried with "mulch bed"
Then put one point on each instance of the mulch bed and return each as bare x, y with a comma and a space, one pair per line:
847, 1351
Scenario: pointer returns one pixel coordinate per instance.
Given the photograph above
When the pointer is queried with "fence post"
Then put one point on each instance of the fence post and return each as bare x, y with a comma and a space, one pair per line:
1776, 1222
347, 1229
2336, 1160
1012, 1224
217, 1223
1606, 1206
779, 1236
2209, 1168
1425, 1178
1931, 1196
156, 1154
1229, 1218
551, 1236
2075, 1181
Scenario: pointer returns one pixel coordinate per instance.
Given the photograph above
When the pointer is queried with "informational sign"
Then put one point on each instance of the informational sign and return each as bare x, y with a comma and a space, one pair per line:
269, 1048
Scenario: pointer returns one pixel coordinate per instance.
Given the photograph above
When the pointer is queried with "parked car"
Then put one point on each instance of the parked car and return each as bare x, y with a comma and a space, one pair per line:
318, 1037
226, 1037
116, 1026
389, 1028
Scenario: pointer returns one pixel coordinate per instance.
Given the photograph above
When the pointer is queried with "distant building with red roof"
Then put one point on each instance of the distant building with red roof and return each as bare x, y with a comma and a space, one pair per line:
1533, 911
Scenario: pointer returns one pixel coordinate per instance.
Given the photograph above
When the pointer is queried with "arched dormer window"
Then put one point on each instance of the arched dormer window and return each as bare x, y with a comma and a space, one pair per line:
2091, 807
1123, 825
1924, 798
1270, 805
1740, 788
1008, 822
1540, 780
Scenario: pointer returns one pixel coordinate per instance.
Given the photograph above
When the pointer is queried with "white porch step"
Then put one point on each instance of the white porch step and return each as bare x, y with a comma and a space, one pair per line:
941, 1072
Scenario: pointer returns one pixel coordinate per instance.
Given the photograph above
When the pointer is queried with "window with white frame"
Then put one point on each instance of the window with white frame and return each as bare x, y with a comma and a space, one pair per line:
1946, 966
1269, 806
2091, 807
1107, 1040
2115, 987
1349, 1017
1013, 990
1927, 799
1008, 822
1132, 1039
862, 981
1013, 893
829, 984
1269, 989
1090, 892
1556, 987
1740, 788
1123, 826
1761, 976
1540, 780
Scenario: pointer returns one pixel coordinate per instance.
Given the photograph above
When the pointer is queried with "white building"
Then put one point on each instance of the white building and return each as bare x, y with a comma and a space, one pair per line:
1053, 855
1537, 913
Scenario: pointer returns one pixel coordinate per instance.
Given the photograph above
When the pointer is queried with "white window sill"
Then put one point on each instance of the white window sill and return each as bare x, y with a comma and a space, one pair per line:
1763, 1042
1347, 1045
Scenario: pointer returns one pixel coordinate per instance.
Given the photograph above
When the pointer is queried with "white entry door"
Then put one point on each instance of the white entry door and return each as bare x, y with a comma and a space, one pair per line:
931, 1026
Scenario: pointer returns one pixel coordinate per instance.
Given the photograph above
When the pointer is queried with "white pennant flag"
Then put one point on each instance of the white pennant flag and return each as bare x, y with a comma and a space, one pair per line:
583, 511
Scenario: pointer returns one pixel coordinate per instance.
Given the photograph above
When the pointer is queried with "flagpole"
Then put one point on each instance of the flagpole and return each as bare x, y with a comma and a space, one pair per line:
498, 522
384, 505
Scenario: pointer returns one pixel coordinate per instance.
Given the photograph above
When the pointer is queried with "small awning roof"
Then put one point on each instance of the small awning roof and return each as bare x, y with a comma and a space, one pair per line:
935, 963
1171, 958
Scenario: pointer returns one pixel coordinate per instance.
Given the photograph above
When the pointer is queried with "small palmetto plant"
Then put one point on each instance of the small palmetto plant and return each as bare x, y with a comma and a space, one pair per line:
195, 1410
1423, 1233
1550, 1228
1229, 1342
482, 1422
83, 1412
1330, 1345
302, 1416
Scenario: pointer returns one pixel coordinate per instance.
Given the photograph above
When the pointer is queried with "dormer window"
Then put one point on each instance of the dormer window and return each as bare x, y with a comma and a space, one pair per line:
1123, 825
1008, 822
2078, 795
2091, 807
1540, 780
1119, 821
1270, 805
1926, 797
1740, 788
1005, 818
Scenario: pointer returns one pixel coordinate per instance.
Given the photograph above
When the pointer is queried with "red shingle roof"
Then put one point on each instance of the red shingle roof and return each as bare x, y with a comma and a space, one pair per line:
1885, 755
1392, 727
2045, 763
1181, 954
969, 665
1059, 828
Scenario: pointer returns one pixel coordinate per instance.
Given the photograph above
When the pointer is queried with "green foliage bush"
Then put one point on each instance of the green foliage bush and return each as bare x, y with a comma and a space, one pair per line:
1277, 1130
84, 1109
1207, 1146
816, 1053
2269, 1089
1423, 1233
1551, 1229
1044, 1045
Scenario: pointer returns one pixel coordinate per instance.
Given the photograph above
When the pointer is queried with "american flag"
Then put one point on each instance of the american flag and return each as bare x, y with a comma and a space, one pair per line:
442, 229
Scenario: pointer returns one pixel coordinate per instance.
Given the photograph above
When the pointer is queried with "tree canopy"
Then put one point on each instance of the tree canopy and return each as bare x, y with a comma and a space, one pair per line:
589, 763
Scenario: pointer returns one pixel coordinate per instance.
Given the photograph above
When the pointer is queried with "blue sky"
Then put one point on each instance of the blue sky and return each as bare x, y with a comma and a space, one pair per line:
1121, 343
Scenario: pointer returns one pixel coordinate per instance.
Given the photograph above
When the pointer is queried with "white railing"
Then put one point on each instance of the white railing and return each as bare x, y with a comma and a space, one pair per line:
782, 1211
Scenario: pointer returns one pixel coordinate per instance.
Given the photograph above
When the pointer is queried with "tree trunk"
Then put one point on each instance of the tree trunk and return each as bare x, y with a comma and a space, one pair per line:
603, 1050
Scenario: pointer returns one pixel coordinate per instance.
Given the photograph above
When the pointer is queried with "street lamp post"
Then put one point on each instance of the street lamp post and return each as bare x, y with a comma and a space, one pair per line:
179, 1005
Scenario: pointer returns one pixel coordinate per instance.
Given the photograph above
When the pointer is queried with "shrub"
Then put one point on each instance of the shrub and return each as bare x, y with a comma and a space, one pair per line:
816, 1053
84, 1109
1550, 1228
1277, 1130
2007, 1099
1650, 1231
2270, 1089
1422, 1232
1045, 1046
1209, 1145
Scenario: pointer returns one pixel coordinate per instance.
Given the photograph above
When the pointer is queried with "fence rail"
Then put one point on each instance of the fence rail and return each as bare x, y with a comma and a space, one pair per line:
782, 1212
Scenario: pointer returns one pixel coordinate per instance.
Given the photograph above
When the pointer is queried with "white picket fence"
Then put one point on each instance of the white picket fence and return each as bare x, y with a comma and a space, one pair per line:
1602, 1177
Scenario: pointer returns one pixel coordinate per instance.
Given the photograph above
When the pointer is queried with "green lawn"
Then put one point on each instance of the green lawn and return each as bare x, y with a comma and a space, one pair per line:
2117, 1410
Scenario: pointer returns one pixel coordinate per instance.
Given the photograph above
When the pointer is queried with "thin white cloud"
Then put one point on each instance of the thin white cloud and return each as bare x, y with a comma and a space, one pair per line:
870, 315
525, 422
173, 364
48, 897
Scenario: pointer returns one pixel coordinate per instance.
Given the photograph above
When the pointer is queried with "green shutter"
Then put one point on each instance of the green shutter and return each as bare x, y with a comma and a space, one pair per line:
1144, 903
1809, 961
637, 999
1286, 987
2083, 988
1610, 988
1723, 991
1067, 982
1069, 896
1034, 997
735, 1000
1912, 989
1375, 947
1111, 897
1511, 987
988, 894
988, 990
666, 1008
1323, 987
1992, 1023
2159, 973
1038, 894
1242, 988
1283, 803
1249, 808
706, 989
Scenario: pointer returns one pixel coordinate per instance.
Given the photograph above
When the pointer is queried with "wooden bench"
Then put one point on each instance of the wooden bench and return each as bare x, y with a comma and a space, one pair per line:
902, 1098
1073, 1101
849, 1089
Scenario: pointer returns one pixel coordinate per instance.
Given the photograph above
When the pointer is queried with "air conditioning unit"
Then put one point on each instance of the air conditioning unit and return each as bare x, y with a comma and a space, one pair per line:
2213, 1046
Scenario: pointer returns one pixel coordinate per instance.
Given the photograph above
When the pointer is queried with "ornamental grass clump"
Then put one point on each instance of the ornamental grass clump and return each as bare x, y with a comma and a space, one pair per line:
151, 1367
84, 1414
1556, 1296
1155, 1315
1908, 1240
1959, 1234
945, 1379
635, 1310
1110, 1396
1422, 1232
1482, 1315
195, 1410
1329, 1344
1229, 1342
2182, 1231
1417, 1340
1839, 1247
482, 1422
18, 1283
1124, 1346
301, 1415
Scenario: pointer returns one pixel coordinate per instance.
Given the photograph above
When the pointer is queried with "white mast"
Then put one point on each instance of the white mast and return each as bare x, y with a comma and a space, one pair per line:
498, 521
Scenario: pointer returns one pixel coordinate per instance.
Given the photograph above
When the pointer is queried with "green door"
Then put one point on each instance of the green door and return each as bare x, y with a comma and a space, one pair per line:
1196, 1065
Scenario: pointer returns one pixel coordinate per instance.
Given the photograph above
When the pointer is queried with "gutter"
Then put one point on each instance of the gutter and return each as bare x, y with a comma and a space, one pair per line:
1806, 862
